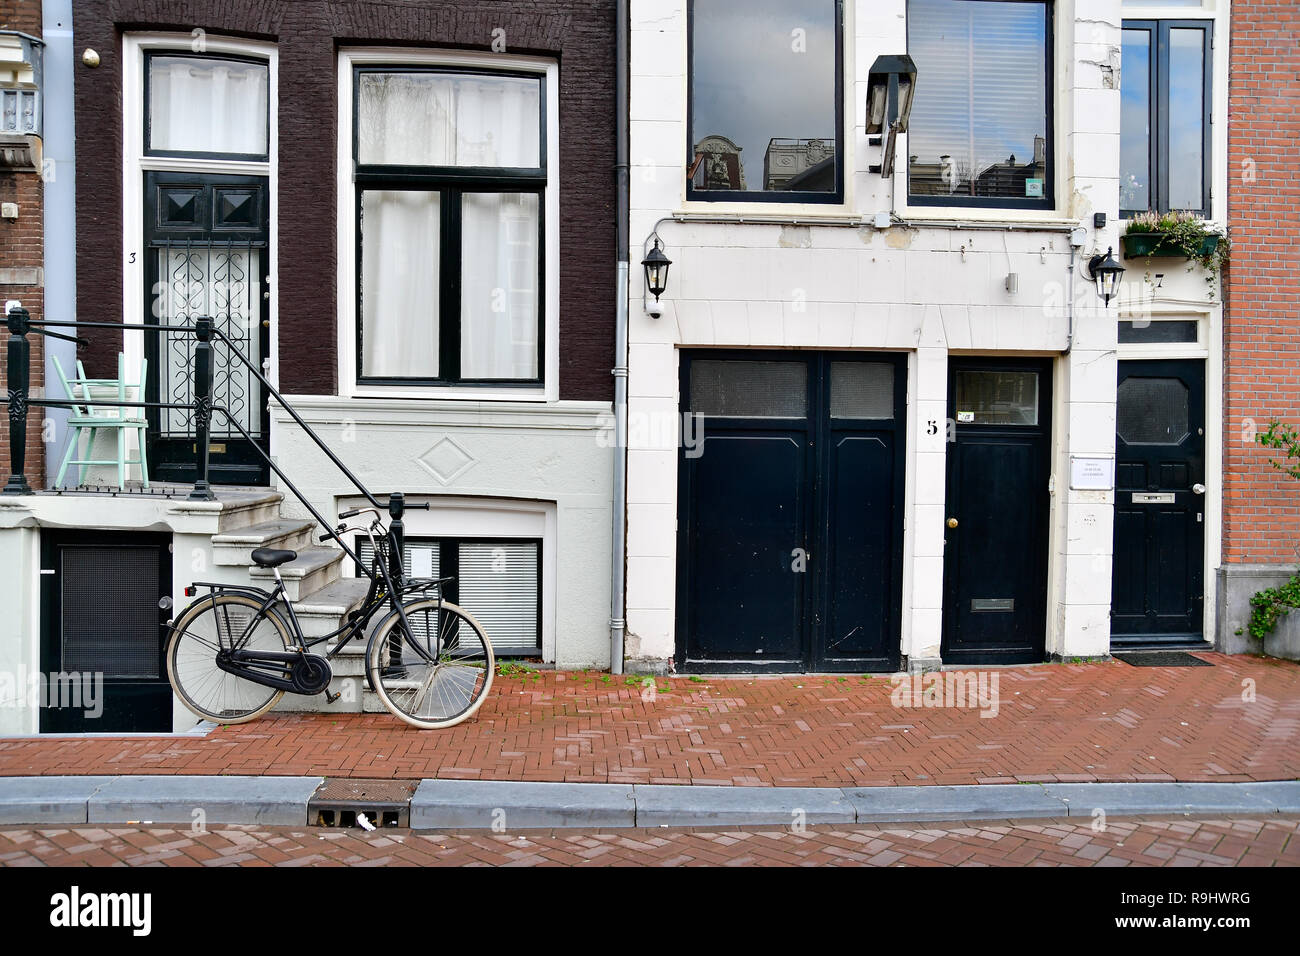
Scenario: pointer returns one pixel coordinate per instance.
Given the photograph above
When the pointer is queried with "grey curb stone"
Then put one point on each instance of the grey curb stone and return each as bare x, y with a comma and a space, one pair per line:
919, 804
693, 806
47, 799
471, 804
1283, 794
273, 801
1142, 798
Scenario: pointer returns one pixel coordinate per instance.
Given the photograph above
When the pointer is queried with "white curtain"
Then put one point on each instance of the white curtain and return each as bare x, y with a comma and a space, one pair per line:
441, 119
207, 106
399, 284
498, 338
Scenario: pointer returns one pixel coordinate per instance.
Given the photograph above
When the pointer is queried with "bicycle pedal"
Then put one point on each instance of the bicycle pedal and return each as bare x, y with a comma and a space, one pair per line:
331, 698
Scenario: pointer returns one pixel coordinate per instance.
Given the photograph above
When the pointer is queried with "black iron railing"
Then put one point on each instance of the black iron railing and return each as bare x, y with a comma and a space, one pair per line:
21, 324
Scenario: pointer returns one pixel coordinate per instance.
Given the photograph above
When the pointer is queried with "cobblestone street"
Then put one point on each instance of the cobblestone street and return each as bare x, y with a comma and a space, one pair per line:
1153, 842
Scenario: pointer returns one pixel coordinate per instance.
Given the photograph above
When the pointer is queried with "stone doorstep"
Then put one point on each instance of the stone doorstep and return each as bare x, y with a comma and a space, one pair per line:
446, 804
233, 548
313, 570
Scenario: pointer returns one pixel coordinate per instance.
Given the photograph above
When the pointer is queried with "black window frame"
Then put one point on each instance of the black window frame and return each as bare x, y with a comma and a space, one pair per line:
1158, 112
1048, 199
450, 183
767, 196
449, 567
149, 150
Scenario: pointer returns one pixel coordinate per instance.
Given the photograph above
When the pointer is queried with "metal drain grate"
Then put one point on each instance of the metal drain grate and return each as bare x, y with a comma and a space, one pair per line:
1161, 659
384, 803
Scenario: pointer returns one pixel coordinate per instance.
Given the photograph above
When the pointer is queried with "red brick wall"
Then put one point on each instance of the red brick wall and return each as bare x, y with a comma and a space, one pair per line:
1262, 318
22, 247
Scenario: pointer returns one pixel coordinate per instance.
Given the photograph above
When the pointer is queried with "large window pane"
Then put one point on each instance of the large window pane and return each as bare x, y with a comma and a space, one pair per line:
399, 283
978, 127
448, 119
207, 105
498, 337
1186, 118
1135, 122
763, 96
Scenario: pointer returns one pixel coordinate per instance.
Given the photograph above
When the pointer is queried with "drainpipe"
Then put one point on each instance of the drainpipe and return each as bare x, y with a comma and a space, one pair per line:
617, 625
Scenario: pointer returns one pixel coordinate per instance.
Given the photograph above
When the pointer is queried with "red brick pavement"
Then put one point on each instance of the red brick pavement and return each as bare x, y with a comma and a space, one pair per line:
1237, 721
1274, 841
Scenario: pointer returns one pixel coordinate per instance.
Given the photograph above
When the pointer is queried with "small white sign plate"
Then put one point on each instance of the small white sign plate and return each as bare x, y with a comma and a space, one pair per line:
1092, 473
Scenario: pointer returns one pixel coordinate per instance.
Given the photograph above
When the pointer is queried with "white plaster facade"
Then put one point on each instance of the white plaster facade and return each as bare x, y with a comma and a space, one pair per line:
931, 285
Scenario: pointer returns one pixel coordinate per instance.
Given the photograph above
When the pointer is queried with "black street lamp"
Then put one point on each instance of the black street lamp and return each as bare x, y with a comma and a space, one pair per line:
656, 270
1106, 273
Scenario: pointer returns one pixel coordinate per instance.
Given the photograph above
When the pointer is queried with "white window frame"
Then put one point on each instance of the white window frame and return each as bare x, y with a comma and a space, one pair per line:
348, 387
135, 163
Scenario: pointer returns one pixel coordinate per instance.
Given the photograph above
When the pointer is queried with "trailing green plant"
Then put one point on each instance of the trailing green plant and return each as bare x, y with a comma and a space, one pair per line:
1272, 604
1185, 234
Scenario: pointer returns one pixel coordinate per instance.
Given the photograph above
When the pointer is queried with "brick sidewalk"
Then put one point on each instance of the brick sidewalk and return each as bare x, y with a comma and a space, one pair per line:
1054, 723
1219, 842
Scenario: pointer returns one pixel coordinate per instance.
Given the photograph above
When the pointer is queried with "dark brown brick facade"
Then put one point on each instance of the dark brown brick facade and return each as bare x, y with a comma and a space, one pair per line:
580, 35
22, 253
1261, 507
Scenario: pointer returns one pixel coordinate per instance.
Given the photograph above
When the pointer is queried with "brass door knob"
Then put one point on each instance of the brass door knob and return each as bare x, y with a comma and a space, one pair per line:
952, 522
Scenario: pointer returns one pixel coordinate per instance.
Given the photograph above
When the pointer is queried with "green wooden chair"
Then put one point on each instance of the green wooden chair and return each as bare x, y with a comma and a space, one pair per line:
84, 416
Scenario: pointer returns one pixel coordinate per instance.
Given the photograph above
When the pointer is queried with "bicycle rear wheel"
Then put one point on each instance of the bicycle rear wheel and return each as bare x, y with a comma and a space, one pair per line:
436, 674
212, 624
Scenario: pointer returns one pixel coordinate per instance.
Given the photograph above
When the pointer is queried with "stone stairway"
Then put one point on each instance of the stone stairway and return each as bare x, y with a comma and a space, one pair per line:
314, 583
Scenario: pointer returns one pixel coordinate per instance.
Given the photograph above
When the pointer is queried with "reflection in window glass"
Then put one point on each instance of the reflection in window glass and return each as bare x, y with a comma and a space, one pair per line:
997, 398
763, 97
978, 127
1186, 118
1135, 122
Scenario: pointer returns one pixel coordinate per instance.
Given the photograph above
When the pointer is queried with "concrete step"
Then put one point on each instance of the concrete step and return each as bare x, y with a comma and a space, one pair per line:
233, 509
322, 611
234, 548
313, 569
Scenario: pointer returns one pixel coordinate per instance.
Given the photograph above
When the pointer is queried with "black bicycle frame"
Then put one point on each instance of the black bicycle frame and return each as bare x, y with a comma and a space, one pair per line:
355, 624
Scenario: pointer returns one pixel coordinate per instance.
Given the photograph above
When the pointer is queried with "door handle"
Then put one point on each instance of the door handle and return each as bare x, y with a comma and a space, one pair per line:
1198, 488
952, 522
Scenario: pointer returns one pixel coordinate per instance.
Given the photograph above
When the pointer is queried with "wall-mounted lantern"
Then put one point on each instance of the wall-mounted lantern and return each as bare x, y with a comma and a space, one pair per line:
21, 80
656, 266
1106, 273
891, 84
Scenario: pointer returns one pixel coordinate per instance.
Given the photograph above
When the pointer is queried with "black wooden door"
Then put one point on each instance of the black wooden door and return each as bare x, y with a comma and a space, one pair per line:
105, 602
995, 535
206, 242
789, 531
1157, 592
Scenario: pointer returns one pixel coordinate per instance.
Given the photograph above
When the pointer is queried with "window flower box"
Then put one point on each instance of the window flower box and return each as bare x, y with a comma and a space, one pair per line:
1162, 244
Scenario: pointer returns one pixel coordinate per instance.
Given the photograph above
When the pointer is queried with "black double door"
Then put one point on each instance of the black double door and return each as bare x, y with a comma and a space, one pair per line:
996, 522
1157, 585
206, 254
790, 512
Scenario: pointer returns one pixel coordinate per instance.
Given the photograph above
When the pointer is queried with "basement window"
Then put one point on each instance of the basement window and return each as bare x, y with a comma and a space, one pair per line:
497, 580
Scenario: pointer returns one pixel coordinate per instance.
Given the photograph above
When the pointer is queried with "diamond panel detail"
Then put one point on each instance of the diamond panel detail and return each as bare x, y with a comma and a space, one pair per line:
447, 460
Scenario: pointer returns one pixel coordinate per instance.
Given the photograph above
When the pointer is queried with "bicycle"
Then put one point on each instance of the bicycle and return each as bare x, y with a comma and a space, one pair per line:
237, 650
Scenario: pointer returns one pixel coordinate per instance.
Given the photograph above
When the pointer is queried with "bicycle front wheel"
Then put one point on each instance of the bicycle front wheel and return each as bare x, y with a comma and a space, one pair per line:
438, 672
222, 622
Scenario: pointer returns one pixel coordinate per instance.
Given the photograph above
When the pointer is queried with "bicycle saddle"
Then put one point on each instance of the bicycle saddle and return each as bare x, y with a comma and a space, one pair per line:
272, 557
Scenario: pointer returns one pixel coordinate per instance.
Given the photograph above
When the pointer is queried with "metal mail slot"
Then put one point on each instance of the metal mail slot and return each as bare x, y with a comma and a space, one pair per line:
1153, 497
993, 604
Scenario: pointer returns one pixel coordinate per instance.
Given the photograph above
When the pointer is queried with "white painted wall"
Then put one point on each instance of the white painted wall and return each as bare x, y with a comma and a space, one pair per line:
823, 277
478, 463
